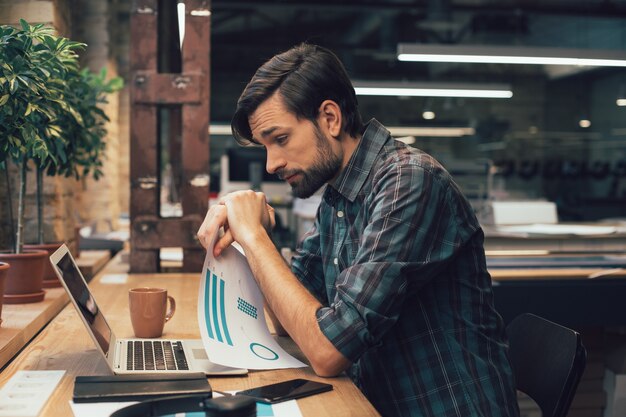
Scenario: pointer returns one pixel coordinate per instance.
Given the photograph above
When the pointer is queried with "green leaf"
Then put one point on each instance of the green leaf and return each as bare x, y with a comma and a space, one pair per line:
4, 99
115, 84
54, 131
25, 25
62, 155
76, 115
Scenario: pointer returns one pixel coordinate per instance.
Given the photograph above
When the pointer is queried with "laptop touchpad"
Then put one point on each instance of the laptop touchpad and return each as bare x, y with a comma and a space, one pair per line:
199, 354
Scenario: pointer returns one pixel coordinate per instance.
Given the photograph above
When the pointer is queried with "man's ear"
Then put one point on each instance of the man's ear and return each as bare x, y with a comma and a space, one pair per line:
330, 117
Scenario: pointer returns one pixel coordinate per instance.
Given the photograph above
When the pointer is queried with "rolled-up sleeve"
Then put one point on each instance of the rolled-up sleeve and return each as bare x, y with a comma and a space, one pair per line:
306, 264
411, 230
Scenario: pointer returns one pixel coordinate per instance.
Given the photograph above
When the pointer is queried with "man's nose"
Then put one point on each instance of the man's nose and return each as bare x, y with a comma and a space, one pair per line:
274, 163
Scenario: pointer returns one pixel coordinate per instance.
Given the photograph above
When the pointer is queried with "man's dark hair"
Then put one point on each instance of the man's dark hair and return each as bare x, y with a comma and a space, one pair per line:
305, 76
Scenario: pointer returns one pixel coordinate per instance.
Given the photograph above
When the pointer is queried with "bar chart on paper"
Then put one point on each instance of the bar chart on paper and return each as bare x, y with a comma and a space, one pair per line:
231, 317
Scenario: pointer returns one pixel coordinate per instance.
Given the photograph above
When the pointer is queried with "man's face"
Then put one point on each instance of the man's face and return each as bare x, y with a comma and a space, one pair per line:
298, 151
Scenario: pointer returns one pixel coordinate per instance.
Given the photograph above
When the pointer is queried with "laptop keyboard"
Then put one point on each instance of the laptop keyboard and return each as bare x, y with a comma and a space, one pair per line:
155, 355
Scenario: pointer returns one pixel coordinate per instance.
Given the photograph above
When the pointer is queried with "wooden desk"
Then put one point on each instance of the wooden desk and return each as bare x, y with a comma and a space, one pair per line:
20, 322
64, 344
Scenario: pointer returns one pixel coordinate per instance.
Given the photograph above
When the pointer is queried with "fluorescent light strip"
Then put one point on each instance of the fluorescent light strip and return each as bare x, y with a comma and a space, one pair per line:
180, 8
510, 55
425, 131
513, 252
431, 92
220, 129
621, 102
533, 60
396, 131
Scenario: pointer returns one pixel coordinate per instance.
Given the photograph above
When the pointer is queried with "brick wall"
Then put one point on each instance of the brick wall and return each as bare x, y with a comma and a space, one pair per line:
98, 204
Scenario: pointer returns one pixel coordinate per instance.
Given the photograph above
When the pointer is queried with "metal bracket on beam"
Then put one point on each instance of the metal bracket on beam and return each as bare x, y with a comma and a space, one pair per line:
146, 183
158, 88
175, 232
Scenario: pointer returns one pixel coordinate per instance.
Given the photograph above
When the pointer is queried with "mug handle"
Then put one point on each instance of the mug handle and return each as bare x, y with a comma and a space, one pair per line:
170, 313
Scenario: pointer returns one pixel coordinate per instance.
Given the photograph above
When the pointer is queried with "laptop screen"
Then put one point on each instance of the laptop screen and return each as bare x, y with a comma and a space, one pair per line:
84, 300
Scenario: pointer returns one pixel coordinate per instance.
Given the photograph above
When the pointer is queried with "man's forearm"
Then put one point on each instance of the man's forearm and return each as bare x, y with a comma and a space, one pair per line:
278, 327
293, 305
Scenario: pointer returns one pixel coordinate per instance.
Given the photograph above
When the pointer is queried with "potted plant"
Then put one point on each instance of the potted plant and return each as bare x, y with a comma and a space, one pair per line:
84, 132
32, 101
4, 268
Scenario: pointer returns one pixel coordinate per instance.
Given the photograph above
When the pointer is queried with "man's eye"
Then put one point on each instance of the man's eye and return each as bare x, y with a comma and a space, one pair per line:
281, 139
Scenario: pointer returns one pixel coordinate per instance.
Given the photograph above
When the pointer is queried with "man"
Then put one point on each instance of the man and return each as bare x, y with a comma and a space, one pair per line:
390, 284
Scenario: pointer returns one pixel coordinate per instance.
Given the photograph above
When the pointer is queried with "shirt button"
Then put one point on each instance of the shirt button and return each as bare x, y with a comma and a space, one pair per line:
336, 261
340, 214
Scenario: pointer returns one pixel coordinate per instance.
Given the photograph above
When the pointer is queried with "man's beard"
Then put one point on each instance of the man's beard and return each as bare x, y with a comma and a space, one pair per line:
325, 168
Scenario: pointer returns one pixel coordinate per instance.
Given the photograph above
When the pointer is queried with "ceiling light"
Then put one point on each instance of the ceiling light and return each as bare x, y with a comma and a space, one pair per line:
406, 89
396, 131
510, 55
180, 9
584, 123
621, 95
431, 131
220, 129
427, 111
428, 114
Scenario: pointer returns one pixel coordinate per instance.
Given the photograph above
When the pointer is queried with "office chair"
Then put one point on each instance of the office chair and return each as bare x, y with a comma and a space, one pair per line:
548, 361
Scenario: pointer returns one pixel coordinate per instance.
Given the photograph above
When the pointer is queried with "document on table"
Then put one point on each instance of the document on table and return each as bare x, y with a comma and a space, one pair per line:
26, 392
284, 409
231, 317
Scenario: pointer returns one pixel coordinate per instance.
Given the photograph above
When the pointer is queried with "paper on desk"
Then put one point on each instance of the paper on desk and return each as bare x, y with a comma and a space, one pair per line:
231, 317
26, 392
284, 409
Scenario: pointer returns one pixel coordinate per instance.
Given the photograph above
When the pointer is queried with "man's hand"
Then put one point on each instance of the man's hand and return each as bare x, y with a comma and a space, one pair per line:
242, 215
215, 219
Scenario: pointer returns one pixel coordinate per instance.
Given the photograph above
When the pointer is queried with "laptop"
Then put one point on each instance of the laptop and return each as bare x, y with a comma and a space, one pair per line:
131, 356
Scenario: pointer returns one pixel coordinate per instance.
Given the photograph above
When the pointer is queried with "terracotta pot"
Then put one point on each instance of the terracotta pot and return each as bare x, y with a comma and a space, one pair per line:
50, 279
4, 268
25, 277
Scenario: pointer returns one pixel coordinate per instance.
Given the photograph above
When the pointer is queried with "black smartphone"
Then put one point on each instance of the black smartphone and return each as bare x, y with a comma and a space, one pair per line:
288, 390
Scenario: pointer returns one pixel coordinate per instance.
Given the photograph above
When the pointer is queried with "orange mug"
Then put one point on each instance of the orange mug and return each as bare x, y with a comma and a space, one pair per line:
148, 310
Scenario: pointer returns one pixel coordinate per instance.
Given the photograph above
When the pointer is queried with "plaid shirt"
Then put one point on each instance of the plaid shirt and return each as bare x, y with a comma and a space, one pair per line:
396, 257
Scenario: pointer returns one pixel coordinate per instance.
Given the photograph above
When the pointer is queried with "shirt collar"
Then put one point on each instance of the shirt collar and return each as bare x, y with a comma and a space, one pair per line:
351, 179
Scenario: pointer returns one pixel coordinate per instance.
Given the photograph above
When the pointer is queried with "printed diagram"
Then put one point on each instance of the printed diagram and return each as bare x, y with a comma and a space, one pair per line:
231, 317
215, 310
263, 352
246, 308
215, 313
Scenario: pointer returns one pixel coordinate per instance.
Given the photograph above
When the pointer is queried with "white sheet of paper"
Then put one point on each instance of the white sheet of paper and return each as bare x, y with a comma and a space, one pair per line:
26, 392
231, 317
284, 409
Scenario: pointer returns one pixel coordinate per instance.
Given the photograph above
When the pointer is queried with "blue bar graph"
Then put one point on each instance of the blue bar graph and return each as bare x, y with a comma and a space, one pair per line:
216, 322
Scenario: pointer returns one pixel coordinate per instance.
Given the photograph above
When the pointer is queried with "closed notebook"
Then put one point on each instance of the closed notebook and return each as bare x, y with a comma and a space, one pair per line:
138, 387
